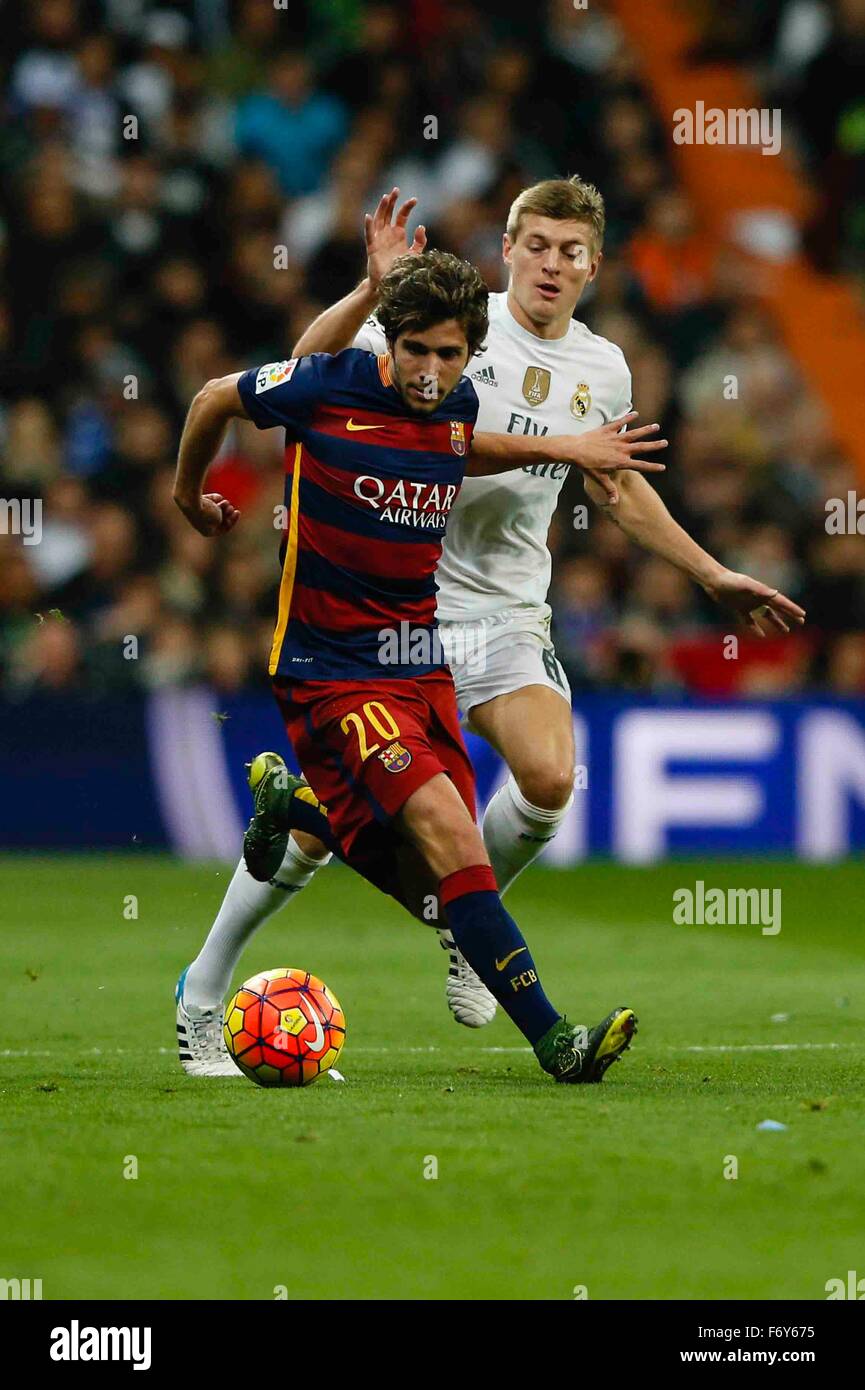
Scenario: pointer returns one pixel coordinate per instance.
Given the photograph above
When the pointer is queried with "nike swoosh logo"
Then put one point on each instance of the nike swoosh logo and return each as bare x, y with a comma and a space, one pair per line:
352, 427
316, 1044
500, 964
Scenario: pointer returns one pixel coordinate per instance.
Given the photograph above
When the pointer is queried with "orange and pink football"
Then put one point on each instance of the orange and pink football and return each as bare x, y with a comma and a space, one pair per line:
284, 1028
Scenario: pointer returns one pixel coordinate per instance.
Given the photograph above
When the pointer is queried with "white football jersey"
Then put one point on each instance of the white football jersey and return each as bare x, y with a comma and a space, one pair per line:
495, 552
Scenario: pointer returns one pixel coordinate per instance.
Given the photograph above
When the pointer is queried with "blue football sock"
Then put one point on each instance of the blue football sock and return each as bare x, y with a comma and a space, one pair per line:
496, 949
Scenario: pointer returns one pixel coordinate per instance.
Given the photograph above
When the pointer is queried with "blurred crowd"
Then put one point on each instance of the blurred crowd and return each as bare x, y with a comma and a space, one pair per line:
809, 59
154, 162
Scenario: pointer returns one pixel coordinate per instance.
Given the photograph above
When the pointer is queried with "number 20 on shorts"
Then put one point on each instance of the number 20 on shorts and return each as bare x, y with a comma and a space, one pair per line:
379, 718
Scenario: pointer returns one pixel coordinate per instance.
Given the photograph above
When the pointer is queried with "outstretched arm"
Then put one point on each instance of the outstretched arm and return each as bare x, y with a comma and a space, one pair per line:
602, 451
336, 327
216, 403
644, 518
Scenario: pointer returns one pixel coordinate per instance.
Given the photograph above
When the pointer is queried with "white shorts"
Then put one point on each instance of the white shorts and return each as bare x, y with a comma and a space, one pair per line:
500, 654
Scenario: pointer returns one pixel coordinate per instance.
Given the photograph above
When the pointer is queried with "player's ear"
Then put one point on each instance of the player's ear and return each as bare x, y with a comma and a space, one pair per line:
507, 248
594, 266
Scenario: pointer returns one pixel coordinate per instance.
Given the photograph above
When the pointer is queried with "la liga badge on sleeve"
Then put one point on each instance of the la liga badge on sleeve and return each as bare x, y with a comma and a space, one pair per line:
274, 374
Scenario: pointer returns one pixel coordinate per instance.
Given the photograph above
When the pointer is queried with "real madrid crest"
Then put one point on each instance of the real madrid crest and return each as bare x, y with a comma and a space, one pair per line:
536, 385
581, 401
458, 437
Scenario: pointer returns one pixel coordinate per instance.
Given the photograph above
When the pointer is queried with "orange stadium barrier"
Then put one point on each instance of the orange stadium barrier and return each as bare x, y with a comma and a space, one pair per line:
817, 315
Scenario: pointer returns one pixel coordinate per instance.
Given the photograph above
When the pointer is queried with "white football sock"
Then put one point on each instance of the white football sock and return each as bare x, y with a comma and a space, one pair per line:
246, 905
515, 832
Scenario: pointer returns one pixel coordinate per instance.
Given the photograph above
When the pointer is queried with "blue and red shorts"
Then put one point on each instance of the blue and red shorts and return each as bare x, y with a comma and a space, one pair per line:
365, 748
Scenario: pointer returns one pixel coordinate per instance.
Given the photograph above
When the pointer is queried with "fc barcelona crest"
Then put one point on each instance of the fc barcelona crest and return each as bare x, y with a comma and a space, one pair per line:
395, 757
536, 385
458, 437
581, 401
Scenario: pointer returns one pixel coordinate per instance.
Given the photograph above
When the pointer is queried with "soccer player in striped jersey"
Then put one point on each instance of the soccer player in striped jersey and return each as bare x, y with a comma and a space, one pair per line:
541, 376
377, 447
551, 392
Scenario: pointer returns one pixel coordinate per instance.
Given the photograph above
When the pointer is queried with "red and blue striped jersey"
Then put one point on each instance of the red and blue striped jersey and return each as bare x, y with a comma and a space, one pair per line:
368, 489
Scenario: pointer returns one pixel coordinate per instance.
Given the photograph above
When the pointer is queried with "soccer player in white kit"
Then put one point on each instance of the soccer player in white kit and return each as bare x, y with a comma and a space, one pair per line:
542, 375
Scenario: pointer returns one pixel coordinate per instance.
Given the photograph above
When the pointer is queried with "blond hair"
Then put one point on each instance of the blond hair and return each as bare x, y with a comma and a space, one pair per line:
563, 199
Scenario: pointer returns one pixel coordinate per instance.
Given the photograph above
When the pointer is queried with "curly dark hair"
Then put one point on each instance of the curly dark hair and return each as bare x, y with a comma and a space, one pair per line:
420, 291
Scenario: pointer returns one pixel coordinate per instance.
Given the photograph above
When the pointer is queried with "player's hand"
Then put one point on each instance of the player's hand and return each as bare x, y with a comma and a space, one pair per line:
387, 239
211, 514
609, 449
764, 610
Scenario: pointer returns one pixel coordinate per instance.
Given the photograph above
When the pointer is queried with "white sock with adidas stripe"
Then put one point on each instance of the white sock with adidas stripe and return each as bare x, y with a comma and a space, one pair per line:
516, 832
246, 906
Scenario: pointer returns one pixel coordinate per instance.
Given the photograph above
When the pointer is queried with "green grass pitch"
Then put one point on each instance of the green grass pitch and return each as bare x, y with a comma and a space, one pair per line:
541, 1189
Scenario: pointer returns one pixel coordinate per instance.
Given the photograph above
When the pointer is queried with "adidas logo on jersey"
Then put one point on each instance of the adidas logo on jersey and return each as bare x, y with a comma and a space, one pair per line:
486, 375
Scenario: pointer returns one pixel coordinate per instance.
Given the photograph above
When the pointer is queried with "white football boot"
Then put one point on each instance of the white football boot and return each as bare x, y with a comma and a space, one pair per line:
469, 1000
199, 1039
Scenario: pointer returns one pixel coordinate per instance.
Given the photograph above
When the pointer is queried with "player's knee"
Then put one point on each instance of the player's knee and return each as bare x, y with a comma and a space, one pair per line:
547, 787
